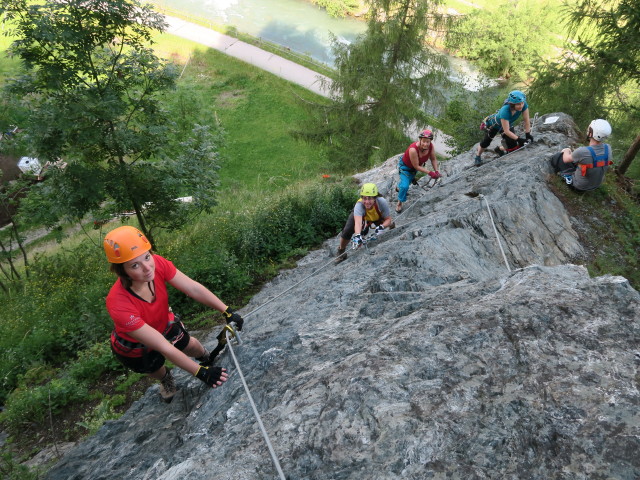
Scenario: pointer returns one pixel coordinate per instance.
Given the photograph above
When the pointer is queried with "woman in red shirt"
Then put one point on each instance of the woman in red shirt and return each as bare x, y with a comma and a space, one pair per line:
146, 332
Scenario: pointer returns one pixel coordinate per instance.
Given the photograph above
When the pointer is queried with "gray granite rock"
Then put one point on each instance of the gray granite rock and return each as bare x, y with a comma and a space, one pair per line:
426, 356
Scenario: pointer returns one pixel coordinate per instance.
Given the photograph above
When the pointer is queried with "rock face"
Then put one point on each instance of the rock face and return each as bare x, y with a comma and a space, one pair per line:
430, 355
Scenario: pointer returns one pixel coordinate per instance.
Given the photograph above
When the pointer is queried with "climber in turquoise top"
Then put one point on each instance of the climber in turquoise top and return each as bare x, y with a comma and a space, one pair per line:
502, 122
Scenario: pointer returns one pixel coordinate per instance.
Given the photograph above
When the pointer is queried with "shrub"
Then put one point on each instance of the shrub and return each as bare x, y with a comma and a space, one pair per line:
26, 406
104, 411
93, 362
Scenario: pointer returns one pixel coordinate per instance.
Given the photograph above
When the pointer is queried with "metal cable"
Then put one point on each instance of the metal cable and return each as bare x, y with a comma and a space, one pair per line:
496, 231
255, 410
293, 286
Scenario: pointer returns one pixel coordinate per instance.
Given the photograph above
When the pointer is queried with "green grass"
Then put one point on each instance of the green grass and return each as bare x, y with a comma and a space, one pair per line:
609, 227
256, 109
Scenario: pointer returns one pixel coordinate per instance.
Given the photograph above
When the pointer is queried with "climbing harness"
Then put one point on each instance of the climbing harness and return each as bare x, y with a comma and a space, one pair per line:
598, 160
253, 406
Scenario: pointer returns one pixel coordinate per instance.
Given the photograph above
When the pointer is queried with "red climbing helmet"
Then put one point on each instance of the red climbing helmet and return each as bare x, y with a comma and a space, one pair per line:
426, 134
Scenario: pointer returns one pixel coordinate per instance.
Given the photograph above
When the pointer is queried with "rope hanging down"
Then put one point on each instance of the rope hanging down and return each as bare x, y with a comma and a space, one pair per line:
255, 411
495, 230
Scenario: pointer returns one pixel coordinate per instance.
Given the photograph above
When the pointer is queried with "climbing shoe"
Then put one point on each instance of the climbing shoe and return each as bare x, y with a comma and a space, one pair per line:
499, 151
478, 160
342, 255
168, 387
568, 178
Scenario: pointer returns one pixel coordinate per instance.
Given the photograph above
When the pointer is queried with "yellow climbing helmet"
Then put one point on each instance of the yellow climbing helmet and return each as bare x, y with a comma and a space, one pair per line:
369, 190
125, 243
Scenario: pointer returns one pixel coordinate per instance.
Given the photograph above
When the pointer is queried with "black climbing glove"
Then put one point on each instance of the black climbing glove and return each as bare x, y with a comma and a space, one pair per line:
379, 230
521, 141
356, 240
234, 317
529, 137
210, 375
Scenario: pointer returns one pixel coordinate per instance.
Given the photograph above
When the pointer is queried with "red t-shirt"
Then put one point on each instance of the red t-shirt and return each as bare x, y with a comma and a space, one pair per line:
422, 159
129, 312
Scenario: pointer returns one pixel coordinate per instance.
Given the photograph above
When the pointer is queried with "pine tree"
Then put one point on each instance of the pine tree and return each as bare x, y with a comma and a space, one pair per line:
388, 83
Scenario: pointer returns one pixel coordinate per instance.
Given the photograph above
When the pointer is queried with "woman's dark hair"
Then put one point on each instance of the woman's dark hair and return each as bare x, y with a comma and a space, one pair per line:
118, 269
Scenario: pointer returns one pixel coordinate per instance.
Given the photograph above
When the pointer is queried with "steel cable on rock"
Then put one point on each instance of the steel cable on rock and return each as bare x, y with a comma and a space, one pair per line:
255, 411
495, 230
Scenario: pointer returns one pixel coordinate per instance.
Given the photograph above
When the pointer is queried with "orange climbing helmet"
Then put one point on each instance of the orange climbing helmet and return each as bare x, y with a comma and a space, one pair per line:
125, 243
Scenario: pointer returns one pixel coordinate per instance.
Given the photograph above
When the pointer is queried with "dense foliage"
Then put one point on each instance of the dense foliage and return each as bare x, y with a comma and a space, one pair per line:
504, 38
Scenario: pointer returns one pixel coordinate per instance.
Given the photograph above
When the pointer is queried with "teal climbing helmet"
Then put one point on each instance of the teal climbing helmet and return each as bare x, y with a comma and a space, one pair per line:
516, 97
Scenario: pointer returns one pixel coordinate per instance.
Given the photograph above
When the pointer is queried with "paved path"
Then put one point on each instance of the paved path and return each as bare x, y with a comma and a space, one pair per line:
279, 66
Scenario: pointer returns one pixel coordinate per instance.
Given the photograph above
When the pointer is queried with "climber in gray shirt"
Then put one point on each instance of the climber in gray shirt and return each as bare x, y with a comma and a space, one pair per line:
584, 168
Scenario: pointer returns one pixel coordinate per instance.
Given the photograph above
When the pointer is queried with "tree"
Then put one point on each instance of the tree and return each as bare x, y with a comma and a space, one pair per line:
387, 82
94, 90
11, 241
598, 76
503, 38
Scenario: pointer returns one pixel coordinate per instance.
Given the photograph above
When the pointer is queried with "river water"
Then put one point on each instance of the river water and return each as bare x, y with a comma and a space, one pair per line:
295, 24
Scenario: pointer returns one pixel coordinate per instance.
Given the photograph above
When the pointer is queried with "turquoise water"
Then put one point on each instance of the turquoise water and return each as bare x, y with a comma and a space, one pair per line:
295, 24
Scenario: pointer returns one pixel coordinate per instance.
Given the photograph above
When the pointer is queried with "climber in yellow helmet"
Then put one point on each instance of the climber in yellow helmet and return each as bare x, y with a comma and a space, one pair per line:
370, 211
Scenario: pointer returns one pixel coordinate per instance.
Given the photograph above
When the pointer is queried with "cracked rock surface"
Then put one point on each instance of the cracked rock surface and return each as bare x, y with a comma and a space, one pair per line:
430, 355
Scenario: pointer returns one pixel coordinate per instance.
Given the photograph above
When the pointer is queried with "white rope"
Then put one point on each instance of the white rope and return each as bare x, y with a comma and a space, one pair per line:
495, 231
255, 411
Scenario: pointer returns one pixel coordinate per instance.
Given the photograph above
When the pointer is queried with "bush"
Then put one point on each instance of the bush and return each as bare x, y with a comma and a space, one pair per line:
59, 311
230, 253
26, 406
93, 362
12, 470
104, 411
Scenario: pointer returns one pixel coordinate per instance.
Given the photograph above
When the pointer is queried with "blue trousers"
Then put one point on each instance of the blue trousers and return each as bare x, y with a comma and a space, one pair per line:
406, 177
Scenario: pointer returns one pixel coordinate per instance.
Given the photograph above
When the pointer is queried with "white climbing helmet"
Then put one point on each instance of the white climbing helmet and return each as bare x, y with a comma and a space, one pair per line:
600, 129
